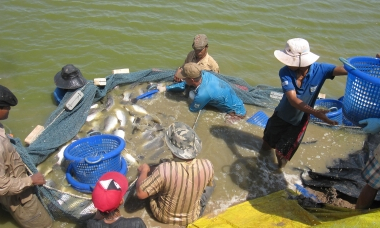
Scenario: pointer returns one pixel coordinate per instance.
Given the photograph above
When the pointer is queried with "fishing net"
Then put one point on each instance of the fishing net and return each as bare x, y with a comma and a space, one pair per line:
63, 125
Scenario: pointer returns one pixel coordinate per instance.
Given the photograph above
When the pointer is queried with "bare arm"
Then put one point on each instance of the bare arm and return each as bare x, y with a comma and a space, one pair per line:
143, 170
300, 105
339, 70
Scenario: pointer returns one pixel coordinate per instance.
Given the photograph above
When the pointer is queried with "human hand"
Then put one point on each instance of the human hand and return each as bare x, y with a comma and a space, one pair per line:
378, 55
144, 168
38, 179
176, 78
372, 125
161, 88
321, 114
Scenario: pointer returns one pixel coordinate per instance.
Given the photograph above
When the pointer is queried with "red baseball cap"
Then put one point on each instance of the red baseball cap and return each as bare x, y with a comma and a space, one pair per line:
109, 191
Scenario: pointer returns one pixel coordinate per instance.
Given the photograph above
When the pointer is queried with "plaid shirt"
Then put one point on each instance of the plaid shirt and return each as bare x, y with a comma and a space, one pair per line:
176, 188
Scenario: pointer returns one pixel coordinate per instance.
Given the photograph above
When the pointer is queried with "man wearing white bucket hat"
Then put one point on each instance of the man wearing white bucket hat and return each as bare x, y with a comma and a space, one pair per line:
178, 189
301, 80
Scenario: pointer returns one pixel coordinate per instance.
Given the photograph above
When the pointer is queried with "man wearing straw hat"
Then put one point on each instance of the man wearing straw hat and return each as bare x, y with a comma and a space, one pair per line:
178, 189
301, 79
16, 186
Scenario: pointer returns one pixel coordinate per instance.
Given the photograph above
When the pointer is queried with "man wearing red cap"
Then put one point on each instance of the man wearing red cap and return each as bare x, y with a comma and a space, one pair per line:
16, 186
107, 197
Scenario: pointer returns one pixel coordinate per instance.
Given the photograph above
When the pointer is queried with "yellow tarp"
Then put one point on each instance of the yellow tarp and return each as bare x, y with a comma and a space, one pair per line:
276, 210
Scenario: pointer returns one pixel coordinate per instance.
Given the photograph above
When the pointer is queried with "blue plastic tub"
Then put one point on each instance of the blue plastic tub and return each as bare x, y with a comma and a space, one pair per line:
335, 107
59, 94
362, 94
94, 156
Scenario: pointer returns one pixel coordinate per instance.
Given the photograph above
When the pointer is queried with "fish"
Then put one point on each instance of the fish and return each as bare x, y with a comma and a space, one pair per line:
60, 154
130, 159
136, 109
152, 118
110, 123
94, 106
126, 97
157, 153
148, 134
155, 143
119, 132
110, 102
121, 117
93, 113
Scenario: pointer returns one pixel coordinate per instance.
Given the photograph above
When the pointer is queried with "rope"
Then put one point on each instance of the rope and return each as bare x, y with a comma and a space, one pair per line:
196, 120
339, 126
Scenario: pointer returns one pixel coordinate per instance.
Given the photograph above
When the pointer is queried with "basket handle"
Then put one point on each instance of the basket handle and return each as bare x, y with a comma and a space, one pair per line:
344, 61
93, 162
333, 109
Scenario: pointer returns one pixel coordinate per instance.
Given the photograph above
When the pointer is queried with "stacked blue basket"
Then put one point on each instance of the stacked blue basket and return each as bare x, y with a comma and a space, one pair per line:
92, 157
361, 97
335, 107
345, 121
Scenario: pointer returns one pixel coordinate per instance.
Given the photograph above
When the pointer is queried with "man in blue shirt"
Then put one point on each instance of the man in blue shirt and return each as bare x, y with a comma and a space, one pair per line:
301, 80
209, 89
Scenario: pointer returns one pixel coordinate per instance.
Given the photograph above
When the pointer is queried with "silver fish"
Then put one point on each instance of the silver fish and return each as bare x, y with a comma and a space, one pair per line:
110, 102
121, 117
94, 106
139, 109
119, 132
93, 113
157, 153
110, 123
127, 95
155, 143
130, 159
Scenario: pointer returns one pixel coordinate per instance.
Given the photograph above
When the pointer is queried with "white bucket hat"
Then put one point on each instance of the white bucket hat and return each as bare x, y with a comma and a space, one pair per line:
296, 53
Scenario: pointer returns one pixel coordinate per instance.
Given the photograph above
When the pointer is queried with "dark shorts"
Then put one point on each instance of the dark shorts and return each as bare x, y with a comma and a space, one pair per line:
283, 136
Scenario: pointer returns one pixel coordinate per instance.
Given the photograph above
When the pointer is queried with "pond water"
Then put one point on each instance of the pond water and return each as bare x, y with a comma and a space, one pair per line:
40, 37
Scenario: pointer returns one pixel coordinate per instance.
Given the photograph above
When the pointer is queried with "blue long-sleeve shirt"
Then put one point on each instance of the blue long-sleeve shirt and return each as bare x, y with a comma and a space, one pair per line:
215, 92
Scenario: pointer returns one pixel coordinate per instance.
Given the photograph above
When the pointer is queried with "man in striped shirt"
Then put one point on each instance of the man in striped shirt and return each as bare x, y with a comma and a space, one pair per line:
179, 189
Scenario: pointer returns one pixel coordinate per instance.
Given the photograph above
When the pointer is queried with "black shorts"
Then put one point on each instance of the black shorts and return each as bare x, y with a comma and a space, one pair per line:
283, 136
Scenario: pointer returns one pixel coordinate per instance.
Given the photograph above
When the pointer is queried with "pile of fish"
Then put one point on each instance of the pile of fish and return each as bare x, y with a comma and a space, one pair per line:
119, 114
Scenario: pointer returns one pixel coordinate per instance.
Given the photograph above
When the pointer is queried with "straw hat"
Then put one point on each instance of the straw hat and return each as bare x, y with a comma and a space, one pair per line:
183, 141
296, 53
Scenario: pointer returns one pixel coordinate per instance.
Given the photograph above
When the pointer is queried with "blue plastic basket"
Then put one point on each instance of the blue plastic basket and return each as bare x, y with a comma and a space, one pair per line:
335, 107
88, 188
361, 97
345, 121
94, 156
259, 118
